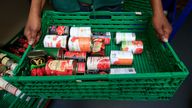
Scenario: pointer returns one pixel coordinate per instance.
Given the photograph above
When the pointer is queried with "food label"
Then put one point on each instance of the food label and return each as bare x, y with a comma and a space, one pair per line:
135, 47
123, 71
98, 63
81, 67
80, 32
81, 56
5, 60
7, 86
2, 55
121, 58
79, 44
125, 37
55, 41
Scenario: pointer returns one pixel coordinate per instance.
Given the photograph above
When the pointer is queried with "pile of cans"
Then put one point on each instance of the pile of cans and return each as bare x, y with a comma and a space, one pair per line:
7, 65
81, 51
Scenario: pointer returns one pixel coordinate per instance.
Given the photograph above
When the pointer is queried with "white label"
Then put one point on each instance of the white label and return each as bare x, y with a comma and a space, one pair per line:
116, 55
2, 55
55, 41
125, 37
123, 71
93, 62
80, 32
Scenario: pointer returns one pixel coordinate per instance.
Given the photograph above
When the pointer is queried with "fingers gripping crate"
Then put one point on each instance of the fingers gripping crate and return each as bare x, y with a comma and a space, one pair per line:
159, 71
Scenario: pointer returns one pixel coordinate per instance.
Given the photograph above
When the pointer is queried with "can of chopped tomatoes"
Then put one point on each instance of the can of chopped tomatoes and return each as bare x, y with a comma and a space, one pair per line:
103, 35
58, 30
55, 41
96, 64
82, 44
125, 37
80, 32
80, 68
121, 58
136, 47
79, 56
61, 67
98, 47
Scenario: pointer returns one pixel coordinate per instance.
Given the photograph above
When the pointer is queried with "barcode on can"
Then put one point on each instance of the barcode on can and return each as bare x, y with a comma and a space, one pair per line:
123, 71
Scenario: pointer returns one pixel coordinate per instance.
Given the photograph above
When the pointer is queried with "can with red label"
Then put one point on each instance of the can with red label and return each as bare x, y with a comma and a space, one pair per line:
98, 47
82, 44
103, 35
96, 64
121, 58
55, 41
61, 67
58, 30
79, 56
81, 68
136, 47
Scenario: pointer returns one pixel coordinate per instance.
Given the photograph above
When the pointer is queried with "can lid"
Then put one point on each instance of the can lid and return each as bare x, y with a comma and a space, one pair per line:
37, 53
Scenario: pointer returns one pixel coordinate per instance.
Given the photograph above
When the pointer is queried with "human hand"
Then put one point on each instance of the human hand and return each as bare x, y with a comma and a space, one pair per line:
33, 28
162, 27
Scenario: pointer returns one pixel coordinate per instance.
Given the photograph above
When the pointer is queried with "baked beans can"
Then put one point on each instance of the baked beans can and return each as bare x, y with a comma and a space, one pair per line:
122, 71
80, 68
103, 35
96, 64
136, 47
61, 67
98, 47
82, 44
120, 36
80, 32
58, 30
55, 41
79, 56
121, 58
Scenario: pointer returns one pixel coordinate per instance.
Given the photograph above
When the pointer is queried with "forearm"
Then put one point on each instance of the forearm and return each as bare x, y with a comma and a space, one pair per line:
36, 7
157, 7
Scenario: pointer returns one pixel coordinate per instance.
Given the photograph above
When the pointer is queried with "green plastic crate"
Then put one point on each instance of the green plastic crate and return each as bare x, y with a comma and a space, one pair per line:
159, 71
137, 5
10, 101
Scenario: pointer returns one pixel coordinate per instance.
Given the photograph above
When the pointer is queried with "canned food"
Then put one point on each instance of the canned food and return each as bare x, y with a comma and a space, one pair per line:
2, 55
13, 66
82, 44
103, 35
81, 68
135, 47
58, 30
80, 32
121, 58
98, 47
79, 56
9, 63
5, 60
60, 53
55, 41
125, 37
95, 64
61, 67
37, 57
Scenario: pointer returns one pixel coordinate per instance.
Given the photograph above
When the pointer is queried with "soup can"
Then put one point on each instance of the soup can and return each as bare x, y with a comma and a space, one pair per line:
80, 32
136, 47
121, 58
55, 41
125, 37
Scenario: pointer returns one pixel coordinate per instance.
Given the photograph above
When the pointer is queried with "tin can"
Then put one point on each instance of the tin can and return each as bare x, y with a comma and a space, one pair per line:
80, 32
60, 54
82, 44
9, 63
79, 56
103, 35
81, 68
96, 64
55, 41
98, 47
58, 30
121, 58
37, 57
136, 47
61, 67
2, 55
13, 66
5, 60
125, 37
